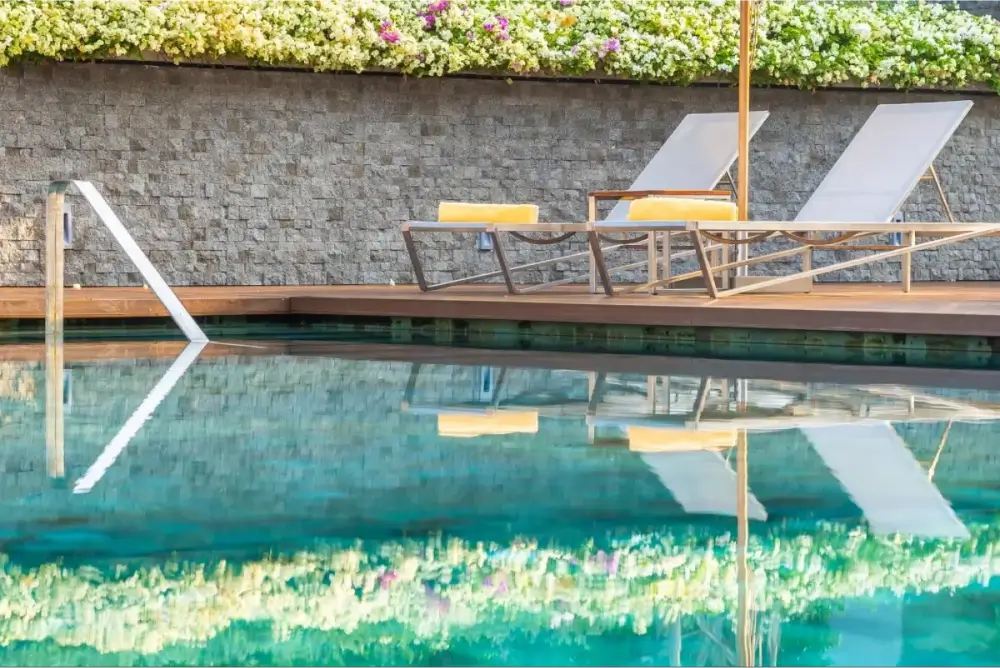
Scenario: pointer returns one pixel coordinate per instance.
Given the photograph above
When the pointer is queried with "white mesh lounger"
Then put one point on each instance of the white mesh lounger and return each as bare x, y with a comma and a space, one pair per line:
894, 151
696, 157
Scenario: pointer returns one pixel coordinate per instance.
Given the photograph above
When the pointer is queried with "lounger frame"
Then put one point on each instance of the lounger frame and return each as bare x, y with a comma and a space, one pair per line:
500, 233
803, 234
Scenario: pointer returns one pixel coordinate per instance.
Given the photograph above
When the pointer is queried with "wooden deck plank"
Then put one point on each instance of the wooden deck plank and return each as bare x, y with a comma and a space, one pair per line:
945, 309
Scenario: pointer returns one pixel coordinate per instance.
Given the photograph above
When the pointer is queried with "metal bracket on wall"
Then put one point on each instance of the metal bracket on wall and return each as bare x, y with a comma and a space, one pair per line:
54, 265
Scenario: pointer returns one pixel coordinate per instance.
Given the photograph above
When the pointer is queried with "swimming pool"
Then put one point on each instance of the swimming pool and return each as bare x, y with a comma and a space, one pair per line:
330, 504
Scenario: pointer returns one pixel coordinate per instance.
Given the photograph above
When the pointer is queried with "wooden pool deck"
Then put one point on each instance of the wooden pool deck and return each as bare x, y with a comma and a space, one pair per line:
931, 309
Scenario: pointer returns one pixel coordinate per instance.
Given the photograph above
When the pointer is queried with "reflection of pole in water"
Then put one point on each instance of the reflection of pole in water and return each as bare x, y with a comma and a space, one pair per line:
744, 630
54, 457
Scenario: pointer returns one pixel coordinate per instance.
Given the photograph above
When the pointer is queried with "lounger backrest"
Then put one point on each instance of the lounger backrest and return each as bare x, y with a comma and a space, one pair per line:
463, 212
884, 162
694, 157
680, 208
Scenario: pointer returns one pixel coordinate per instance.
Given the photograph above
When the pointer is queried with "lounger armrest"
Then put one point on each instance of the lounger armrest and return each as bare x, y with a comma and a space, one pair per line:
640, 225
434, 226
639, 194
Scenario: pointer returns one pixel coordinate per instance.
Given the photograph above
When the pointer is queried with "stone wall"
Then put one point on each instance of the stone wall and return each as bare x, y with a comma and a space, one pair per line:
251, 177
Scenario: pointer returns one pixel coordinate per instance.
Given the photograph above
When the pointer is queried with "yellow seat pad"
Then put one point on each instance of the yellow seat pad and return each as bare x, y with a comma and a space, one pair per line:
680, 208
463, 212
651, 439
458, 425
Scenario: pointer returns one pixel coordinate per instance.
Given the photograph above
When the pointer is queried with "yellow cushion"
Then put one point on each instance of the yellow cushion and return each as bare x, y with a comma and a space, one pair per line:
651, 439
462, 212
459, 425
680, 208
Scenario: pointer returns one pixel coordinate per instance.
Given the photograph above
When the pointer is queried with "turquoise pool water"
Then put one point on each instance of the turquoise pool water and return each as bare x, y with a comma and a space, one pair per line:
385, 505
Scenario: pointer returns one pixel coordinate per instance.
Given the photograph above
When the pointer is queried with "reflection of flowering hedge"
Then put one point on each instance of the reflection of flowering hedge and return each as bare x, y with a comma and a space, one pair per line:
803, 43
436, 592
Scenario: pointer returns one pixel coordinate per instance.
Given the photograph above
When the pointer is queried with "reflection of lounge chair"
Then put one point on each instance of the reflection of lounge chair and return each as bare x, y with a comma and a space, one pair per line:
885, 481
853, 436
484, 415
857, 200
694, 159
689, 463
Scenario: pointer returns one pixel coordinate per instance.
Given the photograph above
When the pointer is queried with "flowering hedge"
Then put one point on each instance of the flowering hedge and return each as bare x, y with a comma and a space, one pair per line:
802, 43
436, 592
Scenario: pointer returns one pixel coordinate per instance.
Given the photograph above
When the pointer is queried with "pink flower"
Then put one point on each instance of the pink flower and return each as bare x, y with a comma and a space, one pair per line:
497, 589
610, 46
429, 21
386, 579
566, 3
503, 22
386, 33
489, 26
439, 6
613, 564
503, 36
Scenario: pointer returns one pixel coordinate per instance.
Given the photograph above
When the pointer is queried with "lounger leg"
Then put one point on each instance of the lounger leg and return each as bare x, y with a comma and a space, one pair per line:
502, 261
706, 267
906, 265
602, 269
651, 260
418, 270
667, 252
592, 259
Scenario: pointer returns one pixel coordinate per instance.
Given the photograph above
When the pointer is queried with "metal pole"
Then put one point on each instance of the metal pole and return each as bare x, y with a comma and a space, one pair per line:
743, 130
743, 123
54, 260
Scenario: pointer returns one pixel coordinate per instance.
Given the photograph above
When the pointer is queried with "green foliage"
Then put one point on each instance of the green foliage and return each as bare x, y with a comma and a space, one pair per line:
801, 43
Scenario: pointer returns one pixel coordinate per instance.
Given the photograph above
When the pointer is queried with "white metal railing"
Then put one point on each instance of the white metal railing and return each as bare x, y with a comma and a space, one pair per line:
54, 357
54, 264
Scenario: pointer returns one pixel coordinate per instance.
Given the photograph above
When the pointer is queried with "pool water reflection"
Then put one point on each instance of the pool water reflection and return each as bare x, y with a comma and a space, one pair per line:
388, 505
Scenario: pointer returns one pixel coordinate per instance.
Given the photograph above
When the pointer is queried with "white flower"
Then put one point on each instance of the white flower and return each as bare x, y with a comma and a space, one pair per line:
862, 30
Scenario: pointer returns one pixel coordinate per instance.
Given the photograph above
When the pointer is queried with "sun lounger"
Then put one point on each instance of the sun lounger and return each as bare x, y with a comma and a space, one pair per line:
693, 161
857, 200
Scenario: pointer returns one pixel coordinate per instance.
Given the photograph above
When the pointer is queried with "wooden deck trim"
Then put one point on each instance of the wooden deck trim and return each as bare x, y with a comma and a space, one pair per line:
948, 310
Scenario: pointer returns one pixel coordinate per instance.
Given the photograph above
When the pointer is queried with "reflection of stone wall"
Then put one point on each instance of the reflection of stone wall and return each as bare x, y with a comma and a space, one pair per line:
306, 440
